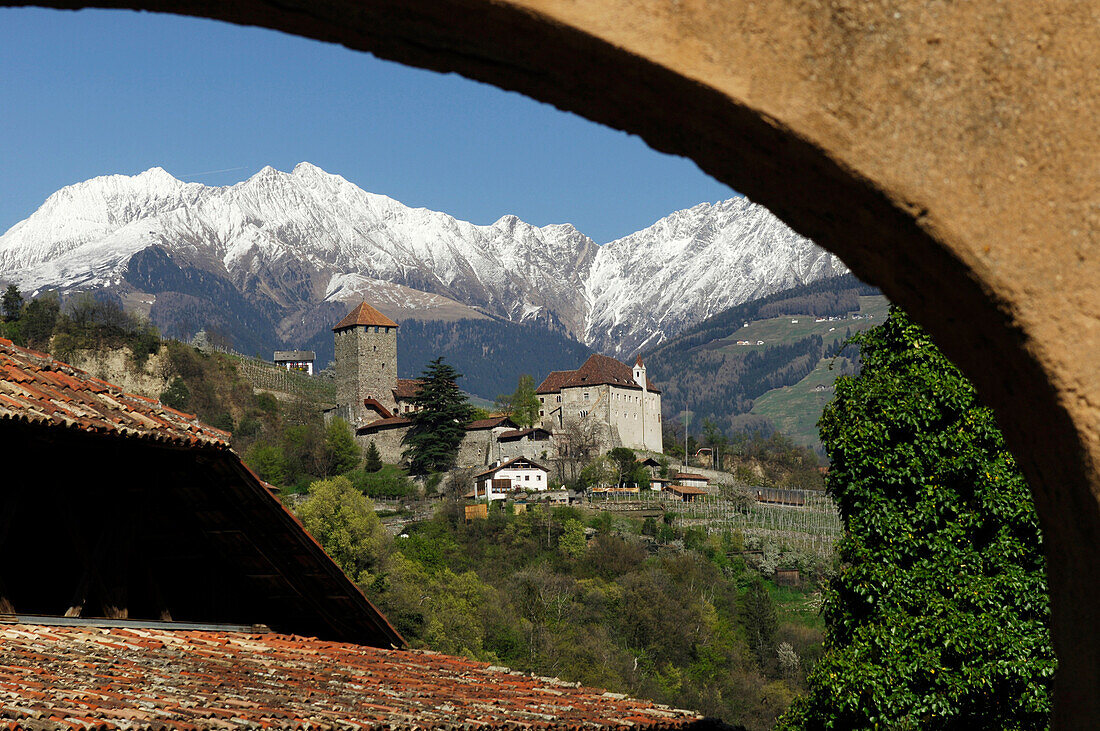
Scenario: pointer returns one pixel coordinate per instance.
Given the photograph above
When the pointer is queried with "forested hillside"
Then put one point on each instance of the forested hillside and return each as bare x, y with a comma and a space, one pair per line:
719, 367
490, 354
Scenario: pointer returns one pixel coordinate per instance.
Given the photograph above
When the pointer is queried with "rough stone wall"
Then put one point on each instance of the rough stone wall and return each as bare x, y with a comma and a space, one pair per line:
539, 451
479, 448
388, 442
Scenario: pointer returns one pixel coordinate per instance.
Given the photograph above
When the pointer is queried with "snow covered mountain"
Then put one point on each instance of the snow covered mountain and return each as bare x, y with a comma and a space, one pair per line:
280, 256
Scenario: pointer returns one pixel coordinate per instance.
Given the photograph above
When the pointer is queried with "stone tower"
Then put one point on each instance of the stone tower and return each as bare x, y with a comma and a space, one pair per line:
366, 362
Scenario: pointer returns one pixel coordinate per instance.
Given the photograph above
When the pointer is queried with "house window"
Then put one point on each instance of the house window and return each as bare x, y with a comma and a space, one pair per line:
559, 399
540, 413
585, 395
526, 478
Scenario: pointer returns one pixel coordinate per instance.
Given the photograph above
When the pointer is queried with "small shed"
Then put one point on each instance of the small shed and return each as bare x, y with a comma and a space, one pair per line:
686, 493
690, 479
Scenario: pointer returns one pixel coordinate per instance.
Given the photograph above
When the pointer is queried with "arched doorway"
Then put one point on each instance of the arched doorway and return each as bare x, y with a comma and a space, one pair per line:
947, 152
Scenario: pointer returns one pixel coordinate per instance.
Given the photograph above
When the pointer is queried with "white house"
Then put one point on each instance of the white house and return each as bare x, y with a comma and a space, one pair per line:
296, 360
519, 473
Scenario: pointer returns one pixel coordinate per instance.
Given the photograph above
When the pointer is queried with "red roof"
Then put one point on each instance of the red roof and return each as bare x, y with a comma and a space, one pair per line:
553, 382
37, 389
378, 407
597, 370
491, 423
686, 490
387, 423
509, 463
131, 465
364, 314
82, 677
690, 476
407, 388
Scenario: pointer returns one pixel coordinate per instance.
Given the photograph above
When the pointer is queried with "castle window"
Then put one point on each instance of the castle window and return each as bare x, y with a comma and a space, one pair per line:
586, 396
383, 366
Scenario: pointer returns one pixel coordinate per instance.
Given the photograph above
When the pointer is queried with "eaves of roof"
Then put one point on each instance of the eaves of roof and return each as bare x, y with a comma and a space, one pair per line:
93, 677
35, 388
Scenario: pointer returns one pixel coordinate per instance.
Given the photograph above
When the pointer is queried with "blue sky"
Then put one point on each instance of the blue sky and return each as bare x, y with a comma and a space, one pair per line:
96, 92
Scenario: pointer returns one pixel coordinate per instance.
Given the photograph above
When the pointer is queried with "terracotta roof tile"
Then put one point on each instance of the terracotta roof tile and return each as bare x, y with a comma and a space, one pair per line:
686, 490
491, 423
364, 314
387, 423
38, 389
137, 678
553, 382
596, 371
509, 463
407, 388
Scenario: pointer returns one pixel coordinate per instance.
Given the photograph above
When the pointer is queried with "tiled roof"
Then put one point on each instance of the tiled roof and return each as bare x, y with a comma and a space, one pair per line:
491, 423
690, 476
294, 355
364, 314
95, 677
553, 382
686, 490
407, 388
596, 371
35, 388
373, 403
387, 423
50, 408
520, 433
510, 463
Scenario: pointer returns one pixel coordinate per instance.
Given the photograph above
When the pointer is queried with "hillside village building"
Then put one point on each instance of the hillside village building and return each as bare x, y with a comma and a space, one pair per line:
622, 402
500, 480
619, 401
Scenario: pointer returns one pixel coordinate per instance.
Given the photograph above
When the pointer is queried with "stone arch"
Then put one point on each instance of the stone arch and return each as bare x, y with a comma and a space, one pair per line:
946, 151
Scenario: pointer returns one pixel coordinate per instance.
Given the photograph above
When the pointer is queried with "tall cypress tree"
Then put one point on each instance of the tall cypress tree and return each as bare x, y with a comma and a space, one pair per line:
431, 444
940, 616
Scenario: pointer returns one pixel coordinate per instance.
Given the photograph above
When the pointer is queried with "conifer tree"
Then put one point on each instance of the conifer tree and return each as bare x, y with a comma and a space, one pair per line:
12, 303
373, 461
431, 444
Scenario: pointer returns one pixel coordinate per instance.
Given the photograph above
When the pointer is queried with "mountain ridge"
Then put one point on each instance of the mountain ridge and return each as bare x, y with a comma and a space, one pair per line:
295, 243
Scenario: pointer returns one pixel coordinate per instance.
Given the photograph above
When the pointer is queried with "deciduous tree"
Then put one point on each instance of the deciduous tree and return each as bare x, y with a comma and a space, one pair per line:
940, 618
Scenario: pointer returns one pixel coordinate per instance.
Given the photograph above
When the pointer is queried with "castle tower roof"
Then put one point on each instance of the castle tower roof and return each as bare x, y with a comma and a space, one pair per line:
364, 314
638, 361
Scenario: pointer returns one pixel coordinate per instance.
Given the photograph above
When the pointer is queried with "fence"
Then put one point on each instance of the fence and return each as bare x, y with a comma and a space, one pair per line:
270, 377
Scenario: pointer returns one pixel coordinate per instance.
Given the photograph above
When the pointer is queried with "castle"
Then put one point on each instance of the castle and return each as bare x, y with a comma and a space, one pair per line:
620, 403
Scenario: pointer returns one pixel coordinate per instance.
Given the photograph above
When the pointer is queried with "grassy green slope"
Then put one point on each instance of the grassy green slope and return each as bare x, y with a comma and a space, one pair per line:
788, 329
794, 410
